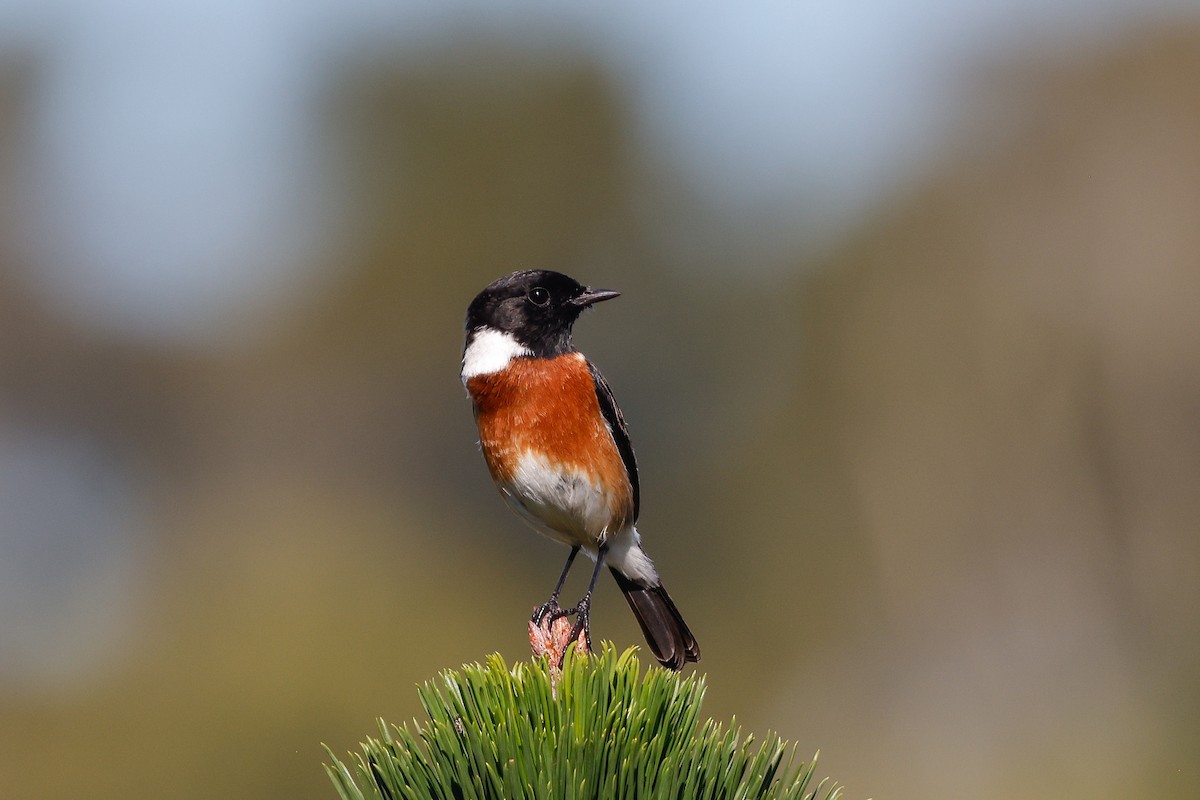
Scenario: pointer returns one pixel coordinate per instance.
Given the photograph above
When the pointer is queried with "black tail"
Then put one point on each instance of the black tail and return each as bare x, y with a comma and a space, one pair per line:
663, 626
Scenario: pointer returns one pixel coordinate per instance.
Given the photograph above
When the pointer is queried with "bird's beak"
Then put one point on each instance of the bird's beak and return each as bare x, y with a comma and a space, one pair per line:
592, 296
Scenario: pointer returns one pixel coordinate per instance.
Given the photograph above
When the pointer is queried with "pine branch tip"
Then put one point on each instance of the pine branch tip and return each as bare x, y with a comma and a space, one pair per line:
495, 729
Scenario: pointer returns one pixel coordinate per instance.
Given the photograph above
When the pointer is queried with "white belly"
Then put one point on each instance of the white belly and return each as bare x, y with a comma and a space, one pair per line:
563, 503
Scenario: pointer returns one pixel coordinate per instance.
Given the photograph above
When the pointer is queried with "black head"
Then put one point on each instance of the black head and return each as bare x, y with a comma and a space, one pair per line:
538, 307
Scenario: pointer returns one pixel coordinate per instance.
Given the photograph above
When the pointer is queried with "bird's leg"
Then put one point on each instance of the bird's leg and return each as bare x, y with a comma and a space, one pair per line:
551, 606
583, 610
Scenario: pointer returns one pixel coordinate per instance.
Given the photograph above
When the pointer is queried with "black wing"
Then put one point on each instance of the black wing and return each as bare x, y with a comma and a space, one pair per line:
619, 431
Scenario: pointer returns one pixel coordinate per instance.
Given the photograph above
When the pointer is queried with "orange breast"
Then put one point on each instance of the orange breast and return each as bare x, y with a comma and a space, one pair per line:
549, 406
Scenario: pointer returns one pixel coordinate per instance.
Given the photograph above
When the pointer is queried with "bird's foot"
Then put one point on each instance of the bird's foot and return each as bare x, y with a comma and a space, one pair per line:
549, 609
581, 631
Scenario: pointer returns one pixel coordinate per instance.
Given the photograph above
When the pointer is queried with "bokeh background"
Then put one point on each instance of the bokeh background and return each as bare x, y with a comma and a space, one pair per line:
909, 345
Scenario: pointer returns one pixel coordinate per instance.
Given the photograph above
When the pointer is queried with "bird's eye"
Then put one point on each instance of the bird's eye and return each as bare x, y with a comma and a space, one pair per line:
539, 296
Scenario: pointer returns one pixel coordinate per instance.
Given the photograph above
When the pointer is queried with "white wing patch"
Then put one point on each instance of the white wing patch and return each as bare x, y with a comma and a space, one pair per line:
489, 350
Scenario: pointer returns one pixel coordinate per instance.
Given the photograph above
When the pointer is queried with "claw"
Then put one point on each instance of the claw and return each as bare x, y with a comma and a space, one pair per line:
581, 631
550, 608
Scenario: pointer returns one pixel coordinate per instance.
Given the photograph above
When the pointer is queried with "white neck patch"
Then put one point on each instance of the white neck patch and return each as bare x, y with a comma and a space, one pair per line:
490, 351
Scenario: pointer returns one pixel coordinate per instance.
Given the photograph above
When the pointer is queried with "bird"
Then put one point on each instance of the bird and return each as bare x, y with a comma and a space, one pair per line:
558, 449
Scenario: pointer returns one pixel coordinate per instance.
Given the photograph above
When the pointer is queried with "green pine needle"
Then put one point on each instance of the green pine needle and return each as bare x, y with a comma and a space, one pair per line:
612, 731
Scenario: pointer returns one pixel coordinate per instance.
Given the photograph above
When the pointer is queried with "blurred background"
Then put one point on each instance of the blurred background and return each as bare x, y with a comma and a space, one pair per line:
909, 345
